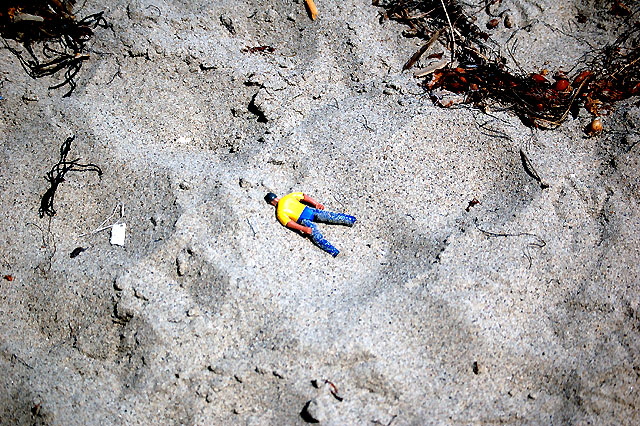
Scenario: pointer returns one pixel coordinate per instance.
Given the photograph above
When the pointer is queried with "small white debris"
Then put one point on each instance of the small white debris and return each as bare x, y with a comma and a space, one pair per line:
245, 183
193, 312
117, 234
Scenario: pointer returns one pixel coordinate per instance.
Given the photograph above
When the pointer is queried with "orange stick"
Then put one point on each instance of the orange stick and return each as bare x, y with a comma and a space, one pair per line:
312, 10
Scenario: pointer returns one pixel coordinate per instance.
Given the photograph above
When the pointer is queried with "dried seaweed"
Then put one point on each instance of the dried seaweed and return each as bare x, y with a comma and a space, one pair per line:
57, 174
479, 73
52, 38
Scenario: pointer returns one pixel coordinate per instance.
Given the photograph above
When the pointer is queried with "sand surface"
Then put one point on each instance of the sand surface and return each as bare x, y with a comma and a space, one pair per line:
521, 309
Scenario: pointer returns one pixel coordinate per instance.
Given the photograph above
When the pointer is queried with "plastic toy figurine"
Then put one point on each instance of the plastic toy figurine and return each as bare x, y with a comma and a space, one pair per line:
298, 211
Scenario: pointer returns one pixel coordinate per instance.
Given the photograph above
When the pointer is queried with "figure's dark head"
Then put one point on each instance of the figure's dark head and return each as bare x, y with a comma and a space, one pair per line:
270, 197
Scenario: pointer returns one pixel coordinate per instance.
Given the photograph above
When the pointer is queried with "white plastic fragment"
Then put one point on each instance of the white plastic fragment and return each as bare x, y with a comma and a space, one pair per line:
117, 234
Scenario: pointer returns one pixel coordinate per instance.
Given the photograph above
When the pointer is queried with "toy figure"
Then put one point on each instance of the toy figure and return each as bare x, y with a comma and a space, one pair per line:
293, 214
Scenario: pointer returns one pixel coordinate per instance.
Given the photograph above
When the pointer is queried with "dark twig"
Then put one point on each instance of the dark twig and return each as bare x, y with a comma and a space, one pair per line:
51, 26
538, 242
531, 171
416, 56
48, 242
57, 174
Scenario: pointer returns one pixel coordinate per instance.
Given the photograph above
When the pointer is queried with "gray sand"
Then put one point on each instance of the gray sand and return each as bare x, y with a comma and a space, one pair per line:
213, 313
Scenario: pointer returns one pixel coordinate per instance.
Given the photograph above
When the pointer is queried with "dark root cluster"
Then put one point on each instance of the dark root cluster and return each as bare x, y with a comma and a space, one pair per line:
52, 38
57, 175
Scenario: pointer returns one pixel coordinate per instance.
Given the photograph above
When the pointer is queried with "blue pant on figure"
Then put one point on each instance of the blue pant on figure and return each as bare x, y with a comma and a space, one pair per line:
311, 215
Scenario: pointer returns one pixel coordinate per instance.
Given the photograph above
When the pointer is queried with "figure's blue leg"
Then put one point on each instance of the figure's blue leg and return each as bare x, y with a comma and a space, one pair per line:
336, 218
319, 240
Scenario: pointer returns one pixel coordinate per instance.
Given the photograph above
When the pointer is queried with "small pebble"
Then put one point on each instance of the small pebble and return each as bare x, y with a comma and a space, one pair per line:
493, 23
76, 251
227, 22
595, 126
561, 85
508, 21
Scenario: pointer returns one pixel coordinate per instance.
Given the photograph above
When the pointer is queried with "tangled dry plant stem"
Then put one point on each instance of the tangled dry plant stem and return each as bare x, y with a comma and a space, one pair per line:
478, 70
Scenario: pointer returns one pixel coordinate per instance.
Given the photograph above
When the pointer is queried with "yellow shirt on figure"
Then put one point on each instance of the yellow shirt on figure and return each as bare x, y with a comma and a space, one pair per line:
290, 208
